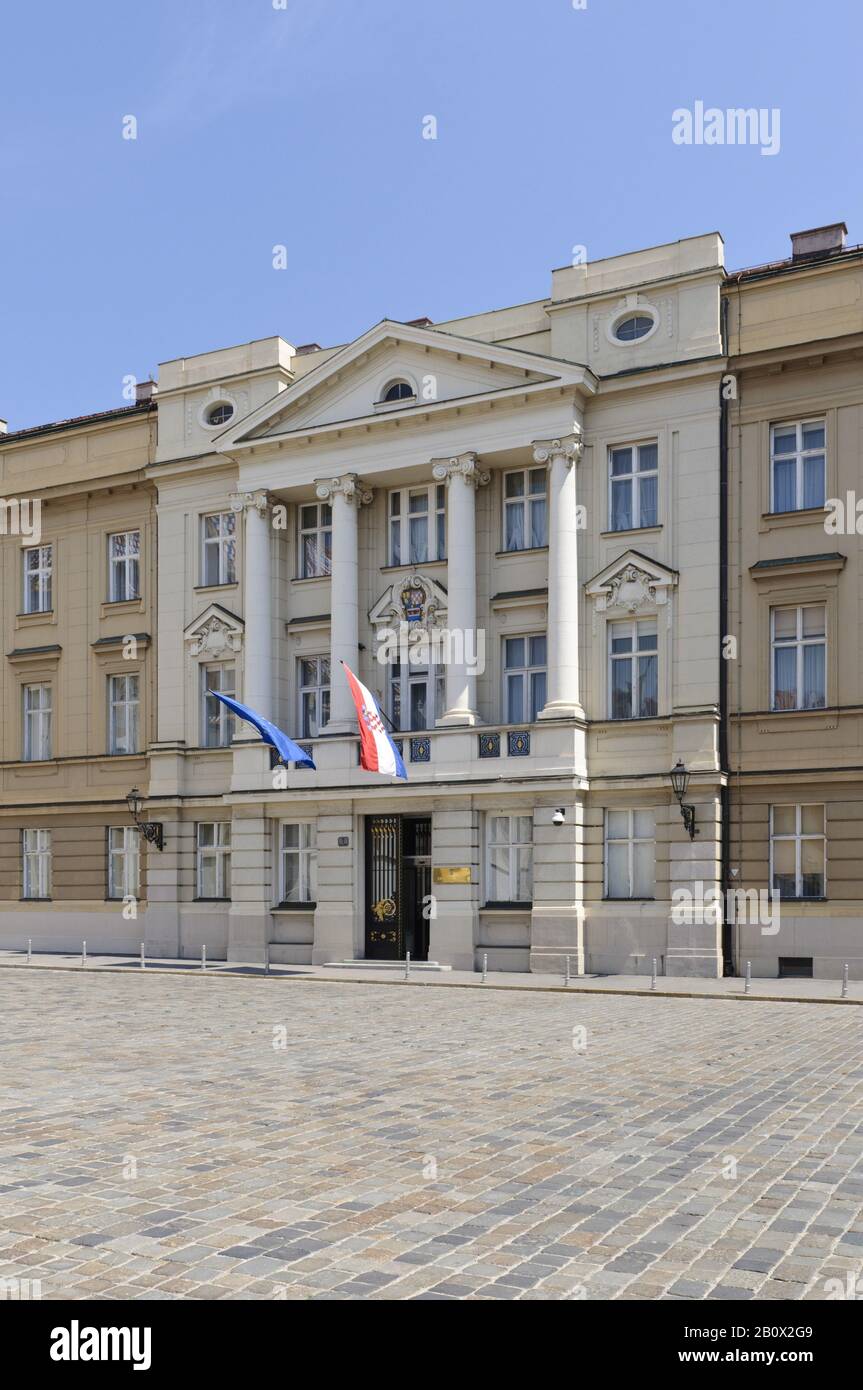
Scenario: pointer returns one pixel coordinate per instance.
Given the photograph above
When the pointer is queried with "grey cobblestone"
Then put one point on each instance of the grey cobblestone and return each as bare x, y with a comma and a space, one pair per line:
432, 1144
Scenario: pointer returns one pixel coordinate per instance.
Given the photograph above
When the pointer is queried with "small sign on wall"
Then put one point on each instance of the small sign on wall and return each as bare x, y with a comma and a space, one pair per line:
451, 875
344, 841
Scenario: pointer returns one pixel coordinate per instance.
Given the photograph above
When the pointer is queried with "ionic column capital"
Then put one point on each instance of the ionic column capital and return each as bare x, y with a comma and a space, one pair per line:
348, 486
569, 447
465, 466
258, 501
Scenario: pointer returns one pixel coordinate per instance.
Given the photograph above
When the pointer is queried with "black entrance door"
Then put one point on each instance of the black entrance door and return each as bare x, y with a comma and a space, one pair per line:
398, 885
416, 878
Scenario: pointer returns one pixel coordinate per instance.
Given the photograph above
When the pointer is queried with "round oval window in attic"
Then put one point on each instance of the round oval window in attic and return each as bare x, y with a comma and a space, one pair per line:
220, 413
634, 326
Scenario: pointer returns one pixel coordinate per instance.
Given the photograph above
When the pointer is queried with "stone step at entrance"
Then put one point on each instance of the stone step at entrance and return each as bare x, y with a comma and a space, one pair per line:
420, 966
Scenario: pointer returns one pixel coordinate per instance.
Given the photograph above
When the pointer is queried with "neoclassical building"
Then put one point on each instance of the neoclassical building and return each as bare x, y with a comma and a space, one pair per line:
508, 526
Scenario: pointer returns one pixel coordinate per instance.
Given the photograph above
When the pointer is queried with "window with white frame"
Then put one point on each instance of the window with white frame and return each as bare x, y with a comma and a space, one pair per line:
630, 854
417, 525
797, 466
219, 548
798, 851
313, 673
525, 509
124, 566
633, 486
524, 677
634, 669
217, 721
509, 859
315, 539
38, 578
799, 665
298, 862
124, 861
123, 705
213, 877
417, 696
37, 722
36, 863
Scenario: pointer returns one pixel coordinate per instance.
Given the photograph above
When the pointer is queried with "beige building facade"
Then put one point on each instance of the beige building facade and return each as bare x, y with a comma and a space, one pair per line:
530, 533
78, 583
794, 680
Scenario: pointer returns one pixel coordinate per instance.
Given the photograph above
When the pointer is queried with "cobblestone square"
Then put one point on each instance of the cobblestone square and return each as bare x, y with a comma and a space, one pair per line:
197, 1137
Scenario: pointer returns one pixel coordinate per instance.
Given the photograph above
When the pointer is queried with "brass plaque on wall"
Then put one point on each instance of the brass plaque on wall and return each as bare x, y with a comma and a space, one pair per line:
451, 875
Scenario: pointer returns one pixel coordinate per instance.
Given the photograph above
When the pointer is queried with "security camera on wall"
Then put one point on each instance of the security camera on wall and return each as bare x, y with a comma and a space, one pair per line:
559, 816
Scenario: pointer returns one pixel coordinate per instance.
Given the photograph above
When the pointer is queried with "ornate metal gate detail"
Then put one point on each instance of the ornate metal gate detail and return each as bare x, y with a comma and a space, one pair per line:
383, 888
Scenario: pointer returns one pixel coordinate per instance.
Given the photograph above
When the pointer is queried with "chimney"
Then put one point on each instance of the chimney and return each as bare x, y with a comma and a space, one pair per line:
307, 347
818, 242
4, 426
145, 391
419, 323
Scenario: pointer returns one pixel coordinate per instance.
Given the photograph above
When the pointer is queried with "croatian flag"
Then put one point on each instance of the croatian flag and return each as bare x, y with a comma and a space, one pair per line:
378, 753
288, 751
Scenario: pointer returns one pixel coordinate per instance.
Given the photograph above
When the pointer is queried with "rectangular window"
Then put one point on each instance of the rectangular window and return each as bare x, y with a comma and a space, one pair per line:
417, 525
124, 867
634, 486
799, 644
509, 859
524, 678
219, 549
217, 721
797, 466
417, 696
314, 688
630, 854
525, 509
124, 561
38, 578
123, 714
37, 723
36, 863
634, 669
798, 851
213, 879
315, 539
298, 873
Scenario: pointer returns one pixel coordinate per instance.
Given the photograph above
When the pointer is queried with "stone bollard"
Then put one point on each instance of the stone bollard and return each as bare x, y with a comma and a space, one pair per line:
567, 976
83, 953
204, 956
143, 959
845, 980
29, 950
748, 983
407, 965
653, 975
484, 966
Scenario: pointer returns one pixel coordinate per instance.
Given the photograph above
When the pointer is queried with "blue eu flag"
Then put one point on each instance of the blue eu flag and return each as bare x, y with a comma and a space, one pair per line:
288, 751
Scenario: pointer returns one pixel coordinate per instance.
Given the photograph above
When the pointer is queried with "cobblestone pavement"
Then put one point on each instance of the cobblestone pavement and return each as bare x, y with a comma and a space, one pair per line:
200, 1137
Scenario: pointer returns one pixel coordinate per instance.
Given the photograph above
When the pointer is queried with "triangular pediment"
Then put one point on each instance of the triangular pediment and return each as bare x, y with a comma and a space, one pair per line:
630, 582
214, 634
441, 370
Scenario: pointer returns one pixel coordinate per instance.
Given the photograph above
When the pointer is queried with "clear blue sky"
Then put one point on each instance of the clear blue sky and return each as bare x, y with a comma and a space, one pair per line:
260, 126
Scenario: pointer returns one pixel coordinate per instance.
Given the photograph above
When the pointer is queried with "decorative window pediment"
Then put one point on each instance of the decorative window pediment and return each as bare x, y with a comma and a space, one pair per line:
215, 634
630, 583
413, 598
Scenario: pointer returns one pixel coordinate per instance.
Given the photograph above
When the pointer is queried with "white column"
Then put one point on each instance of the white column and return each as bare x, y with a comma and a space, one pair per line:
562, 700
258, 601
345, 495
463, 477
